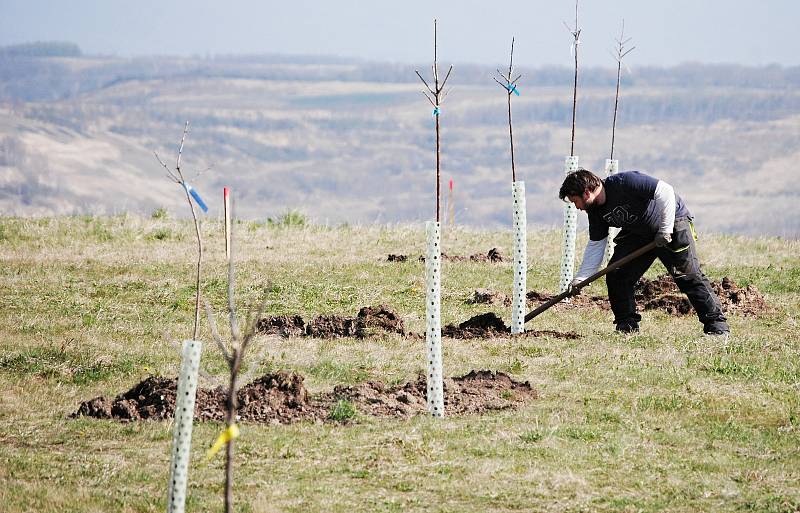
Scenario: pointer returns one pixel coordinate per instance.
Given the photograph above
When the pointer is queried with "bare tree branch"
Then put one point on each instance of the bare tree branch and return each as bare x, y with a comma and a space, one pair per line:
252, 328
446, 77
437, 96
180, 148
424, 82
248, 376
177, 177
576, 34
169, 172
621, 53
215, 333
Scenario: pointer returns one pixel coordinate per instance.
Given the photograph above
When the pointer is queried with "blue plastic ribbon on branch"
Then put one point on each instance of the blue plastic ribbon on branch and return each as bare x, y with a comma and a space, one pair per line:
196, 196
512, 88
436, 111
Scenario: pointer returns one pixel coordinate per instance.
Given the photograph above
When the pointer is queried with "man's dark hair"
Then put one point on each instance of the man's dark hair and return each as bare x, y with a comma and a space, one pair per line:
578, 182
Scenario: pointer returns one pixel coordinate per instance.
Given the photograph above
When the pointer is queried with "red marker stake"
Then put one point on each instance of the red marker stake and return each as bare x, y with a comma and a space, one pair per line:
451, 204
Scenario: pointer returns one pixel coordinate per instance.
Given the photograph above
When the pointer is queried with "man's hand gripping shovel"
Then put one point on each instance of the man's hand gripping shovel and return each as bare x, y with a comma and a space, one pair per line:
575, 289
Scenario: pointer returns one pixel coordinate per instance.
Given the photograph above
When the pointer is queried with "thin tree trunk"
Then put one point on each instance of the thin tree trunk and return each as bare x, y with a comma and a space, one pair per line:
230, 418
511, 138
574, 101
616, 103
437, 170
199, 269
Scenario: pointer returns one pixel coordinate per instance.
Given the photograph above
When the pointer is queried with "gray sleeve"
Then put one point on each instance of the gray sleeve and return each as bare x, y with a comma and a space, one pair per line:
592, 258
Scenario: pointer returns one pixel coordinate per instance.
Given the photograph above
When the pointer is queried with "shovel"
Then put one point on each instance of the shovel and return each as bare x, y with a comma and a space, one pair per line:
577, 287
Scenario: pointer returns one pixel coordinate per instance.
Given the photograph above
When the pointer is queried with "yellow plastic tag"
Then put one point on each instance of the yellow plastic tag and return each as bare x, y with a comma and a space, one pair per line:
226, 436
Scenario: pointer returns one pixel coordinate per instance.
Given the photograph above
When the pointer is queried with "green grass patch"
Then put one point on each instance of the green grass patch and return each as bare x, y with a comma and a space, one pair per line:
64, 366
665, 420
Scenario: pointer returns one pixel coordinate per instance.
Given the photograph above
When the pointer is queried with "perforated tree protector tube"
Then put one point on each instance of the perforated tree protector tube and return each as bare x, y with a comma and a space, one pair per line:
612, 167
433, 321
570, 225
182, 432
520, 258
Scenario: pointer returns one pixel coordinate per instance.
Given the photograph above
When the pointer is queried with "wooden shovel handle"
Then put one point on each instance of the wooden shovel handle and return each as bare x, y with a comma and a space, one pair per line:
619, 263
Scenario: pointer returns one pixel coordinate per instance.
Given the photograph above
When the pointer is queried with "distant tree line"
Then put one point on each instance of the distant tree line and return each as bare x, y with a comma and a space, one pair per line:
42, 49
25, 73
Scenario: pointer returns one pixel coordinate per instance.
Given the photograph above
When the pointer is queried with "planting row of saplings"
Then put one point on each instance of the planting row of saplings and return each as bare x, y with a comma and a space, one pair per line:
282, 398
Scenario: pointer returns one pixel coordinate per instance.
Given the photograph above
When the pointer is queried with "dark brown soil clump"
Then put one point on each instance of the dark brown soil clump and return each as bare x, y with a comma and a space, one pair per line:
489, 325
663, 294
369, 320
153, 398
493, 256
475, 392
485, 325
281, 398
283, 325
580, 301
331, 326
488, 297
379, 317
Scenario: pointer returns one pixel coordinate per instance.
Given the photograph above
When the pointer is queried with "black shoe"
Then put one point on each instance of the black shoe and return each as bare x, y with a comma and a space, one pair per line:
716, 329
628, 327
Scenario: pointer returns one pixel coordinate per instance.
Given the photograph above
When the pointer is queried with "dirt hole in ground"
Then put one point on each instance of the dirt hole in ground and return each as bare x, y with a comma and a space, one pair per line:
488, 325
663, 294
281, 398
660, 293
580, 301
368, 321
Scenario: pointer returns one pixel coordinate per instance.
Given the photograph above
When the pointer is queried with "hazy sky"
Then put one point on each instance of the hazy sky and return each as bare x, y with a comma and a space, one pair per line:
665, 32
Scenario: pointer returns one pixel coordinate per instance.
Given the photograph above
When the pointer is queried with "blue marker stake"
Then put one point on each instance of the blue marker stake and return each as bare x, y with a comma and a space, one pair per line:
436, 111
196, 196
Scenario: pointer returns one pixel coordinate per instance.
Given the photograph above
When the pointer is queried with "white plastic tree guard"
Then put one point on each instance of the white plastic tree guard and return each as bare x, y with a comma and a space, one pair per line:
520, 258
570, 226
433, 323
612, 167
182, 432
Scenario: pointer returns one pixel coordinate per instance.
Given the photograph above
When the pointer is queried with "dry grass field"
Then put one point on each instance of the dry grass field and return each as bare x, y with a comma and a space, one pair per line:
665, 420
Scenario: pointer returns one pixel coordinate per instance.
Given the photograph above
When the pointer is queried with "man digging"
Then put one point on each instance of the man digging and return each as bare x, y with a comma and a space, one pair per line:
646, 209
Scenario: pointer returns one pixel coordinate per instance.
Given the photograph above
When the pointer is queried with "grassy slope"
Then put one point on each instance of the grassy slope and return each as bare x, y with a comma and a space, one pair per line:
664, 420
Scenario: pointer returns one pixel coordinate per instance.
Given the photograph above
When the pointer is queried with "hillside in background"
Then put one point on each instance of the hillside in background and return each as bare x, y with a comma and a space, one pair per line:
349, 141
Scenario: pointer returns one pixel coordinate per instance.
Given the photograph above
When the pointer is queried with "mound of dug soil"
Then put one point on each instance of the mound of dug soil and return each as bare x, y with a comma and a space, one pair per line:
662, 293
492, 256
580, 301
283, 325
475, 392
281, 398
488, 297
368, 320
488, 325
